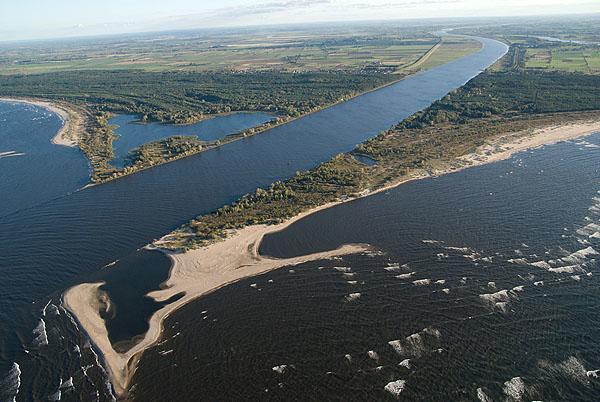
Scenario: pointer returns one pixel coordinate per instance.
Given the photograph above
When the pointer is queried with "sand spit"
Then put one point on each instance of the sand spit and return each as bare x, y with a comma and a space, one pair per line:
195, 273
73, 122
202, 271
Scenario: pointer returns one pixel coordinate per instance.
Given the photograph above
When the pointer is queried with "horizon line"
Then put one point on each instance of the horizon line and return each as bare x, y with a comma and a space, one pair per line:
291, 24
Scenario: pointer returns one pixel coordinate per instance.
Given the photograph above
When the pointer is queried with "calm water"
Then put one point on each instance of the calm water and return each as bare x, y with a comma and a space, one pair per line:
32, 169
60, 243
126, 288
132, 134
451, 288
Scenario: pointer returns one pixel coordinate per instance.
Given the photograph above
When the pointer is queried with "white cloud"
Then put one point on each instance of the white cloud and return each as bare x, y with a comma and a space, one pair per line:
199, 14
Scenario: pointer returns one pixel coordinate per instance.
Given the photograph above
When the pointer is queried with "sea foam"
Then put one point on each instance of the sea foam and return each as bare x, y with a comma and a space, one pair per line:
280, 369
515, 388
352, 297
417, 344
40, 337
395, 387
482, 396
11, 384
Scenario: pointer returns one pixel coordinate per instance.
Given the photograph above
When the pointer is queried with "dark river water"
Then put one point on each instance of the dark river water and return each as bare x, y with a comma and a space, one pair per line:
59, 242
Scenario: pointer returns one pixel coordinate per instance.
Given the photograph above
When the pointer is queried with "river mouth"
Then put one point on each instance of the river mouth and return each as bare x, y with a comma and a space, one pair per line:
64, 241
454, 296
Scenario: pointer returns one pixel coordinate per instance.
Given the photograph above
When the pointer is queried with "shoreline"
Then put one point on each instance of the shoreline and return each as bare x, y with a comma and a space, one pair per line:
202, 271
195, 273
73, 121
68, 134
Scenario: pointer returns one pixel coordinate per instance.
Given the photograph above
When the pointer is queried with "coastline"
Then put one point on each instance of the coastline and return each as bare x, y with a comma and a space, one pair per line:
74, 120
201, 271
68, 134
196, 273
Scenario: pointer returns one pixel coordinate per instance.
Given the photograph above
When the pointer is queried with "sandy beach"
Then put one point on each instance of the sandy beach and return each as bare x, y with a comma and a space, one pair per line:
197, 273
73, 123
202, 271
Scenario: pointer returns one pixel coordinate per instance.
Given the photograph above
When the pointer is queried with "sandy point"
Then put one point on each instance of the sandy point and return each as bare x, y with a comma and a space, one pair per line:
194, 273
72, 119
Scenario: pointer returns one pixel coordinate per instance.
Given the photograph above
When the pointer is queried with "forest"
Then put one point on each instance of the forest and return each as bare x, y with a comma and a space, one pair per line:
185, 77
181, 98
186, 97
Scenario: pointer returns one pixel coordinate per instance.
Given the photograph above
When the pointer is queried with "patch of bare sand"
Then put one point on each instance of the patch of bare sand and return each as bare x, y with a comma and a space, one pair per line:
505, 146
194, 273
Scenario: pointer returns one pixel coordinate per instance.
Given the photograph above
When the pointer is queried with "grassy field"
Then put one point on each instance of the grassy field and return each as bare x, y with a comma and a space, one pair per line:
254, 50
572, 58
451, 48
388, 54
188, 76
569, 44
585, 28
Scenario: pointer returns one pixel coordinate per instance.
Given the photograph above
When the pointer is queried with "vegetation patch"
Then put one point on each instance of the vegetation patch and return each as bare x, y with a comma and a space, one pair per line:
185, 77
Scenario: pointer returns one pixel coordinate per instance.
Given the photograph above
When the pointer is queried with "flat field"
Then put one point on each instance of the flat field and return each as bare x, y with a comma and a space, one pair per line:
572, 58
293, 50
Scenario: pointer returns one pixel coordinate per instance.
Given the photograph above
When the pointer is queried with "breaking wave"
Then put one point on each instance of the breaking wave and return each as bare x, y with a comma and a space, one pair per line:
417, 344
9, 386
40, 337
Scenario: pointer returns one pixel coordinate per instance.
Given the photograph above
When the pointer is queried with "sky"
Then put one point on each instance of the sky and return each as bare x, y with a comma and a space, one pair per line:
33, 19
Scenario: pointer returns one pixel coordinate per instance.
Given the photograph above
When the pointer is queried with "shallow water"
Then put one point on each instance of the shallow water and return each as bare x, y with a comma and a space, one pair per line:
365, 160
126, 287
132, 134
443, 263
57, 244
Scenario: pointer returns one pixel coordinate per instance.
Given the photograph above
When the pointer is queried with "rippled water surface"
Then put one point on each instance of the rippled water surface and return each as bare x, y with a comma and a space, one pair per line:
482, 283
